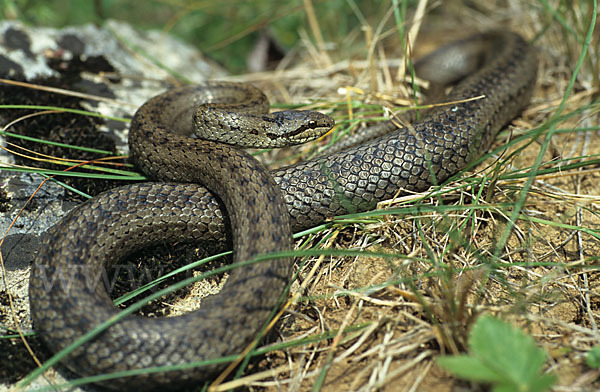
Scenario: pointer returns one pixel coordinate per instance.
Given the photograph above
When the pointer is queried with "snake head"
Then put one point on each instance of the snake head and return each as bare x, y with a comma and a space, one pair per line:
298, 126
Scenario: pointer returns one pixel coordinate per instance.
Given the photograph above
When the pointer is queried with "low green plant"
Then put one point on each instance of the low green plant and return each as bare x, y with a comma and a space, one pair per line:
503, 356
593, 357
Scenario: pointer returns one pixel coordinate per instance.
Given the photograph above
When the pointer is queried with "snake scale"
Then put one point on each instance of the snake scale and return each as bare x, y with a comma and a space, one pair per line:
499, 65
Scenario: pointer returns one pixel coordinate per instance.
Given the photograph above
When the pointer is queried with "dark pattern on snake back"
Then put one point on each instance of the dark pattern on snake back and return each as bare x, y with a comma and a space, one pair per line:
113, 224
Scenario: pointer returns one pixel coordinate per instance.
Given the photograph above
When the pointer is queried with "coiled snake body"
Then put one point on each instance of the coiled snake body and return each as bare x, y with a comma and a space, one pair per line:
113, 224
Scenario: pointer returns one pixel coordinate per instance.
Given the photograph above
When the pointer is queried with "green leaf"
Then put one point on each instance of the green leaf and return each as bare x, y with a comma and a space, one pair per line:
593, 357
469, 367
507, 350
503, 356
543, 383
503, 388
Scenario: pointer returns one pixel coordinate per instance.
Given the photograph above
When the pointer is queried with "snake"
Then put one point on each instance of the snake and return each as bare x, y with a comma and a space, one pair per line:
238, 199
